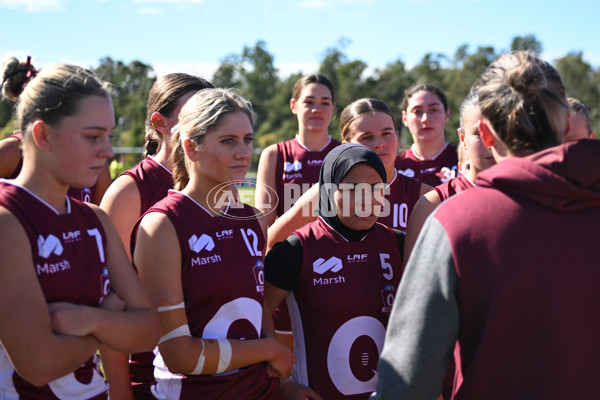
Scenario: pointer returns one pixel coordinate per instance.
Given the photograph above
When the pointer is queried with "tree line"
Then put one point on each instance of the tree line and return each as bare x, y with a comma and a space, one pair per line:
254, 74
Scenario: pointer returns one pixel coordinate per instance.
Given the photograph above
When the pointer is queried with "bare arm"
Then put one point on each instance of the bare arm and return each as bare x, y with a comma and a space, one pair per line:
425, 188
123, 205
425, 206
273, 297
38, 354
104, 181
265, 179
157, 256
10, 154
134, 329
301, 213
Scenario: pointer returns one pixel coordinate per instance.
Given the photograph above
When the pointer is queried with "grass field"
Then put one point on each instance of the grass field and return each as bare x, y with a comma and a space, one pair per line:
247, 195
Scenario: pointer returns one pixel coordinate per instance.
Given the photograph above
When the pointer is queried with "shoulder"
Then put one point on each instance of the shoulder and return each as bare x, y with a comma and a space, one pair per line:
13, 237
124, 189
270, 151
156, 224
268, 158
10, 143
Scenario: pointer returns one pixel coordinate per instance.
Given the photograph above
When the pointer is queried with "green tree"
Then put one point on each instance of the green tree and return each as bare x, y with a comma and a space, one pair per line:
581, 82
527, 42
6, 116
131, 84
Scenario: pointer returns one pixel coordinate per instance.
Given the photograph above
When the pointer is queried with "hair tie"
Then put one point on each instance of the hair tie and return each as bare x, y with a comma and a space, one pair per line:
31, 73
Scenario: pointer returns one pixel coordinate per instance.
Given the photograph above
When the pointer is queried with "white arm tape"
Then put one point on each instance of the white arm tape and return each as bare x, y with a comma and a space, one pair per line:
183, 330
200, 363
225, 353
169, 308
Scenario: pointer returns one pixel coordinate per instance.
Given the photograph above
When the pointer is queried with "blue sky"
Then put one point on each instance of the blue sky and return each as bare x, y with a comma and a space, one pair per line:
195, 35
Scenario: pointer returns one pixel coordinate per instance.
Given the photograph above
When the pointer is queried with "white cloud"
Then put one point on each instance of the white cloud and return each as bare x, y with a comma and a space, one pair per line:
34, 5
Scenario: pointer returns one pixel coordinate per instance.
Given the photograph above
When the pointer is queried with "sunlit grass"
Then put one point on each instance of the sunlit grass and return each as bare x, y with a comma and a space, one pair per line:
247, 195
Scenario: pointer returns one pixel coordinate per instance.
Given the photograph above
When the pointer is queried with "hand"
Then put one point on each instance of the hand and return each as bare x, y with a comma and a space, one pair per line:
112, 302
295, 391
71, 319
282, 362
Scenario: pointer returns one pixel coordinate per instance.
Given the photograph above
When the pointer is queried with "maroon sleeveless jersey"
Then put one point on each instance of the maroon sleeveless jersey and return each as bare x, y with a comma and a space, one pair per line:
403, 194
340, 308
441, 168
69, 258
453, 186
153, 181
297, 170
222, 276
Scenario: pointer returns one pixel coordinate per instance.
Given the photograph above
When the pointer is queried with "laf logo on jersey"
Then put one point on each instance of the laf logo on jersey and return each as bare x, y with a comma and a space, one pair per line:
388, 294
198, 244
321, 266
357, 258
315, 163
225, 234
259, 276
71, 237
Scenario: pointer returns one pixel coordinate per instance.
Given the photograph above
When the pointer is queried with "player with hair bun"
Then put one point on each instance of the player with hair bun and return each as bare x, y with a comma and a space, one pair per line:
492, 270
66, 286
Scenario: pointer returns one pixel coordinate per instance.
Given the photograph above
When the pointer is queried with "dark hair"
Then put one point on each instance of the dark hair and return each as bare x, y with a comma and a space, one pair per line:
163, 98
360, 107
577, 107
52, 95
427, 87
201, 114
523, 97
312, 78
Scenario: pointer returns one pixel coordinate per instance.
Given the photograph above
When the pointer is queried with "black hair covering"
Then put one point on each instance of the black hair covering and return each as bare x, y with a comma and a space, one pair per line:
335, 167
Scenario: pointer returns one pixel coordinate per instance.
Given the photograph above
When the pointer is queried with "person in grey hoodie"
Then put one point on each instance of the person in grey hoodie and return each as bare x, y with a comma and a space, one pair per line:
508, 270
